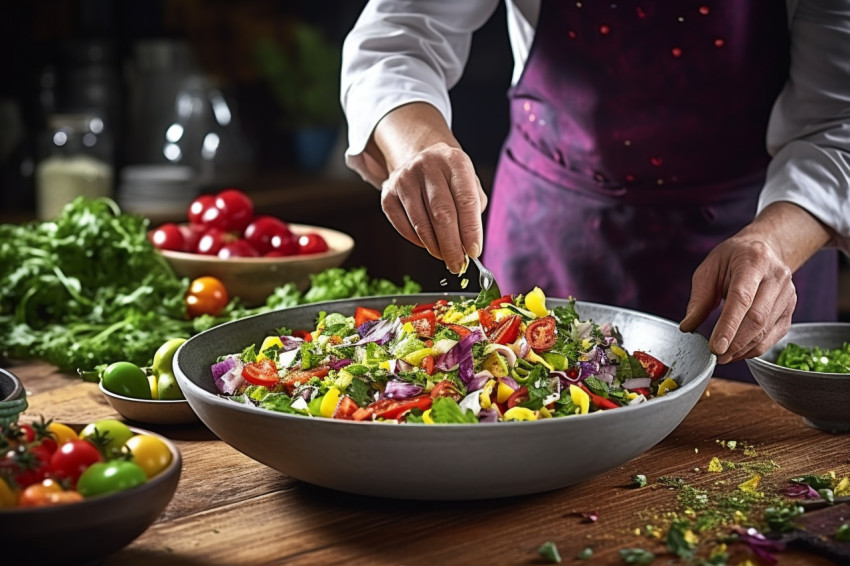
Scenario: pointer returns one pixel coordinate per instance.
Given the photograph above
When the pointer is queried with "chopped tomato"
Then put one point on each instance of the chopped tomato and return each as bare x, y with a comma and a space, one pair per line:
517, 397
497, 303
425, 322
508, 330
653, 366
362, 314
430, 306
485, 318
428, 364
395, 408
361, 414
541, 334
459, 330
303, 334
599, 401
642, 391
346, 408
295, 378
263, 372
446, 388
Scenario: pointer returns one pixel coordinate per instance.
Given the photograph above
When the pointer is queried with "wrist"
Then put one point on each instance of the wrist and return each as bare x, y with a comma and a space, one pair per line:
790, 231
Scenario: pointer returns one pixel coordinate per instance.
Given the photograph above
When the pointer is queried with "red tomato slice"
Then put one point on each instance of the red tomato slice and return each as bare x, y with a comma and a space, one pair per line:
485, 318
653, 366
446, 388
295, 378
430, 306
508, 330
424, 322
459, 330
303, 334
497, 303
395, 408
346, 408
362, 314
428, 364
517, 397
541, 334
263, 372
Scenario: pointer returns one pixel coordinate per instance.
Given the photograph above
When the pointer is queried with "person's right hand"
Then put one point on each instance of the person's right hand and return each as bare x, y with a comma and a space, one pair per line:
435, 200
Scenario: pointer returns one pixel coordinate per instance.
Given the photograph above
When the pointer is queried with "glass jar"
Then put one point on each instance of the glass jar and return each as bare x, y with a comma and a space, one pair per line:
71, 167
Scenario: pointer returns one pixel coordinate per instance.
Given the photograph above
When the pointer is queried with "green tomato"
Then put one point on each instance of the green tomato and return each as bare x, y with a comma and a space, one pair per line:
107, 477
165, 355
126, 379
114, 432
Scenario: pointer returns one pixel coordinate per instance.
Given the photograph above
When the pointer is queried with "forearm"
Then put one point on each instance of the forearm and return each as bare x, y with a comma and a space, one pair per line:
792, 233
406, 131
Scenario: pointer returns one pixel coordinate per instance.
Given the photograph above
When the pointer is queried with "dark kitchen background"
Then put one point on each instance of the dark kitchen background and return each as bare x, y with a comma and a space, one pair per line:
173, 98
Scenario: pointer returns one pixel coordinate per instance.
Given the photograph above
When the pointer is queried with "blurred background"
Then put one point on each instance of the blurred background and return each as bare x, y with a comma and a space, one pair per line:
156, 101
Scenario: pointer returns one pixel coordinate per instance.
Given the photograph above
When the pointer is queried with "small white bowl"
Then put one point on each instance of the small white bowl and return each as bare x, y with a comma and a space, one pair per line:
151, 411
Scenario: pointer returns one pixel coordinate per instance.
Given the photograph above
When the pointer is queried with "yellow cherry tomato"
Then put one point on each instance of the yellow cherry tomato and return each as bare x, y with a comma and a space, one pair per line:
150, 453
535, 301
206, 295
61, 433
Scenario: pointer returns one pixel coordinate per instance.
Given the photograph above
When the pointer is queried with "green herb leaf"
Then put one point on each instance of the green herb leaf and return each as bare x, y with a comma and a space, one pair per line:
636, 556
549, 551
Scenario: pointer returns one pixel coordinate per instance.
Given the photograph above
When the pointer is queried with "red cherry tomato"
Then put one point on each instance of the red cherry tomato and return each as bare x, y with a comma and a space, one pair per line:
284, 246
213, 240
541, 334
72, 459
239, 248
262, 229
654, 367
206, 295
191, 236
168, 237
312, 243
198, 207
235, 211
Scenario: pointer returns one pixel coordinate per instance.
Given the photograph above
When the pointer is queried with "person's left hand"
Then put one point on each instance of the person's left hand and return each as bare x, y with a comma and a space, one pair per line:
759, 298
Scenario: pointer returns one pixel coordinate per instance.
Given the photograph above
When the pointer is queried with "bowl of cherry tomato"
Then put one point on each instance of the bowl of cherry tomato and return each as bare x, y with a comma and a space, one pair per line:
72, 497
251, 254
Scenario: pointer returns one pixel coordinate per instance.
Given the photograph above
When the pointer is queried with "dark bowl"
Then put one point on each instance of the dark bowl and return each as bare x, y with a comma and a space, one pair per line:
449, 462
13, 396
822, 399
78, 533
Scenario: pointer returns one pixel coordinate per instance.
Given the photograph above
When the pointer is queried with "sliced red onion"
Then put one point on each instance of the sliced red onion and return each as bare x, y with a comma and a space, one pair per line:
637, 383
401, 365
222, 367
478, 381
339, 364
760, 545
488, 416
463, 349
565, 379
606, 373
290, 343
401, 390
509, 354
381, 332
231, 380
444, 345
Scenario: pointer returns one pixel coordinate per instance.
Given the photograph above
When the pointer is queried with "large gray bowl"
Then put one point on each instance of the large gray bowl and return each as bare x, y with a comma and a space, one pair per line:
448, 462
822, 399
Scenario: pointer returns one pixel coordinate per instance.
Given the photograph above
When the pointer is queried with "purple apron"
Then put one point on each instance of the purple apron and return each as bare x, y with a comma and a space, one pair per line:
637, 144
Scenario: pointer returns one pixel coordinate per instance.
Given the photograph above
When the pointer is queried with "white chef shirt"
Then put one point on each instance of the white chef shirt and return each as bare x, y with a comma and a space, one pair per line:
403, 51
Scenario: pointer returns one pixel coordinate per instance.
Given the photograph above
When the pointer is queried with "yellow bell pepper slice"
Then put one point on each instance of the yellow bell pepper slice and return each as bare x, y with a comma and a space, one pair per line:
520, 414
495, 364
532, 357
415, 358
666, 387
329, 402
426, 417
535, 301
503, 392
484, 396
408, 328
269, 342
580, 398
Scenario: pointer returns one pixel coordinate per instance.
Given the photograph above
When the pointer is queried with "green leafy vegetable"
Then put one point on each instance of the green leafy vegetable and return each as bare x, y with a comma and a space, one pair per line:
445, 410
816, 359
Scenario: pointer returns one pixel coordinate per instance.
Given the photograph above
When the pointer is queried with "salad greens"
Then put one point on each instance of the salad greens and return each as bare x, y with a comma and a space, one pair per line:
446, 362
816, 359
89, 288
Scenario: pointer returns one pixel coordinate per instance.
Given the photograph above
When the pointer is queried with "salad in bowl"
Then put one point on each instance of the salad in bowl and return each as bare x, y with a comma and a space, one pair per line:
451, 361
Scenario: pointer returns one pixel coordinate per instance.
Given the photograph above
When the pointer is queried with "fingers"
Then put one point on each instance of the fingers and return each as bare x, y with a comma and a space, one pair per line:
436, 201
769, 335
705, 295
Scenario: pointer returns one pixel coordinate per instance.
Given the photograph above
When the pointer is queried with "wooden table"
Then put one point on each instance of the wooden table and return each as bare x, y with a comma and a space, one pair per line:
229, 509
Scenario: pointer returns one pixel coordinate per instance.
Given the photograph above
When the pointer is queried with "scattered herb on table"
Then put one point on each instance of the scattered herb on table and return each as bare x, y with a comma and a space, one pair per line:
843, 533
549, 551
639, 480
587, 553
636, 556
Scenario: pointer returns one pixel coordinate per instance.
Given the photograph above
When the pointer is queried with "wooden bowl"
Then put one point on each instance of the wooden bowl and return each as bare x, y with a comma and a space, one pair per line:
253, 279
151, 411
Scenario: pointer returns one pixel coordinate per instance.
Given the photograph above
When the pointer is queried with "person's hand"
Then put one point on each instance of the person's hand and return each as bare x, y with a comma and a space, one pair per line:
435, 200
759, 298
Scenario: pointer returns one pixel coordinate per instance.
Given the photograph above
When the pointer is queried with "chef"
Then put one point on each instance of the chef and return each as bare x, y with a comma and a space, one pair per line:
687, 159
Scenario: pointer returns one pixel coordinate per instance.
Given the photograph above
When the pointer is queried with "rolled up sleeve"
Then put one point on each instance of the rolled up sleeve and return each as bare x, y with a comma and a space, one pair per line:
809, 131
398, 53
